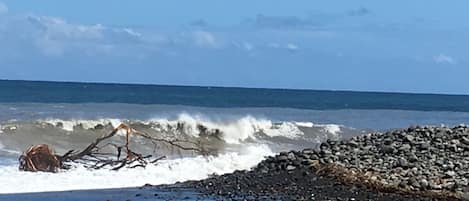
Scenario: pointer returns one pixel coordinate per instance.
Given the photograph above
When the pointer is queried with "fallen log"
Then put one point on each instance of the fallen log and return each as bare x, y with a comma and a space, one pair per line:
42, 157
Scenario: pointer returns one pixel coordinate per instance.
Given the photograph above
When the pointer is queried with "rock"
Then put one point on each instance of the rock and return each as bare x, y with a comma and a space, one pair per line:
423, 184
414, 183
450, 174
282, 158
409, 138
353, 144
387, 149
387, 141
291, 156
404, 148
412, 158
455, 142
290, 167
403, 184
402, 162
308, 151
425, 146
465, 140
99, 127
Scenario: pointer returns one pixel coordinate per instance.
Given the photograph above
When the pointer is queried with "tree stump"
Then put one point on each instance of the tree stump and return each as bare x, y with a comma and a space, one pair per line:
39, 158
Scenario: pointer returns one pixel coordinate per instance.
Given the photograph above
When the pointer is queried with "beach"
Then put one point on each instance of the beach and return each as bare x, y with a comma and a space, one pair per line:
248, 138
374, 166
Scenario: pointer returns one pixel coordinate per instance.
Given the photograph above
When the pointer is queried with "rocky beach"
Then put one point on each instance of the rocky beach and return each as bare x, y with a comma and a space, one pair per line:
416, 163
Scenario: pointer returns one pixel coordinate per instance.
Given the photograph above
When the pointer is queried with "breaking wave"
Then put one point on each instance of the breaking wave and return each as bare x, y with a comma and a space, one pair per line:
238, 143
76, 132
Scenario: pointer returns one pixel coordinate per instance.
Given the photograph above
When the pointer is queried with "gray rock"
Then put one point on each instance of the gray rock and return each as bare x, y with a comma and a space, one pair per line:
425, 146
465, 140
409, 138
282, 158
353, 144
387, 141
387, 149
404, 148
414, 183
291, 156
450, 174
402, 162
423, 184
308, 151
290, 167
413, 158
314, 157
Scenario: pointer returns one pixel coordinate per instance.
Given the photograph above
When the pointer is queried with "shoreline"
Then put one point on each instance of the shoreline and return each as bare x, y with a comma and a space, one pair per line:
415, 163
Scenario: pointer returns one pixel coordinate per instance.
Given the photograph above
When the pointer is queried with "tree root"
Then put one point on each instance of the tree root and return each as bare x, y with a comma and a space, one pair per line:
42, 158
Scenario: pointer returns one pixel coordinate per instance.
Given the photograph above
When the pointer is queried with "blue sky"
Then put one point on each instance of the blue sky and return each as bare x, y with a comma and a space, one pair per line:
406, 46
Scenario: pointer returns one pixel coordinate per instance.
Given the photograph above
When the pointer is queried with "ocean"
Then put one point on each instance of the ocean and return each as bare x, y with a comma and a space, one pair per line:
253, 123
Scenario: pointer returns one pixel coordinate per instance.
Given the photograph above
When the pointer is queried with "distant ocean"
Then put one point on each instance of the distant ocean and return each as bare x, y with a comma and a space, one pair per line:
254, 123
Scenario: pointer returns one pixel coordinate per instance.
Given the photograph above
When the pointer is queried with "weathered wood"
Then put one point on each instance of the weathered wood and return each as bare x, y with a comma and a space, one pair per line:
42, 158
39, 158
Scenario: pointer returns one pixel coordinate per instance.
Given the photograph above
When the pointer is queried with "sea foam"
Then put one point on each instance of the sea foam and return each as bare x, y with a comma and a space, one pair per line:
164, 172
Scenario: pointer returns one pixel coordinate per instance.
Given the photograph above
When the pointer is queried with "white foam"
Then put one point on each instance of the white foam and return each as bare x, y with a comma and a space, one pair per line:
305, 124
166, 172
285, 129
234, 131
69, 125
332, 129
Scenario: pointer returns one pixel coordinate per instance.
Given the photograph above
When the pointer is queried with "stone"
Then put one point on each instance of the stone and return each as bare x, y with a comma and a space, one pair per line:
413, 158
353, 144
387, 141
308, 151
423, 184
404, 148
387, 149
450, 174
402, 162
282, 158
465, 140
425, 146
290, 167
291, 156
409, 138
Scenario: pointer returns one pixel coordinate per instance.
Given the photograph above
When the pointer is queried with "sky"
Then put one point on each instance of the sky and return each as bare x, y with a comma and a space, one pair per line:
419, 46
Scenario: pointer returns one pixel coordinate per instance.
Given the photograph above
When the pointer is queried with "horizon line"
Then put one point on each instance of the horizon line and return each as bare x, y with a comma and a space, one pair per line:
238, 87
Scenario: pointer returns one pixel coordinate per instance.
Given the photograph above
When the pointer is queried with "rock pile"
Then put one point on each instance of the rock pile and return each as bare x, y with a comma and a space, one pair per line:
430, 159
425, 161
422, 160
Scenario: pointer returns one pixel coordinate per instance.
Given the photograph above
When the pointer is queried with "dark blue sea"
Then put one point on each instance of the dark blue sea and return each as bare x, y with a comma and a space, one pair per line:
253, 123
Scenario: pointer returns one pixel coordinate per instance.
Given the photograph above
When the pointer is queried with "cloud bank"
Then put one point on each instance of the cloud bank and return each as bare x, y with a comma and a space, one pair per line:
274, 51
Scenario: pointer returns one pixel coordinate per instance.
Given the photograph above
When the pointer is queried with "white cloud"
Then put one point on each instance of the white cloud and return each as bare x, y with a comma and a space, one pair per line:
287, 46
444, 59
53, 36
59, 29
3, 8
205, 39
248, 46
292, 46
132, 32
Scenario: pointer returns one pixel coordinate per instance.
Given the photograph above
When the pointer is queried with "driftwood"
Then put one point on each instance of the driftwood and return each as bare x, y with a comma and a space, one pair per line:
39, 158
42, 158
